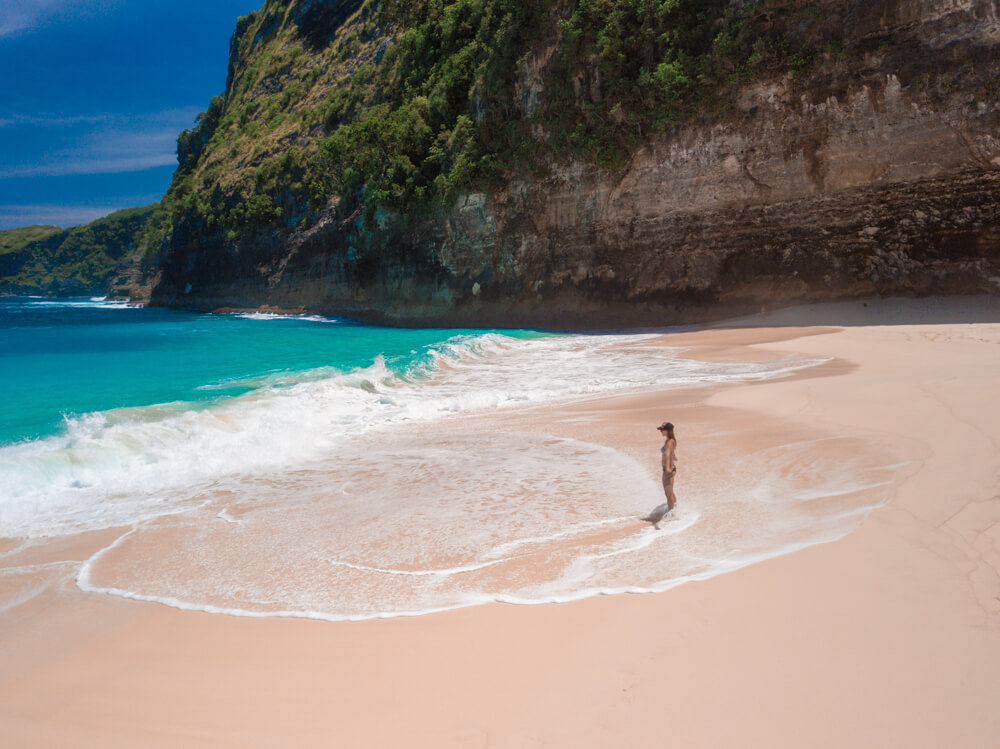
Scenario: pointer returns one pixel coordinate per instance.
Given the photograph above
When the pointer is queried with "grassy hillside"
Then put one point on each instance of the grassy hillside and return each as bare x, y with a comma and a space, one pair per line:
12, 240
246, 163
398, 105
50, 260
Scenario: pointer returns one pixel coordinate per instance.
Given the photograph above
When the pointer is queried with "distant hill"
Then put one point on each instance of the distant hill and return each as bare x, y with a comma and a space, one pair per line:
13, 240
80, 260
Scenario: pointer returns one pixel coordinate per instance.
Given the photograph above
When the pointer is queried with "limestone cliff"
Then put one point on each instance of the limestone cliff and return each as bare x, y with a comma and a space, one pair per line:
866, 163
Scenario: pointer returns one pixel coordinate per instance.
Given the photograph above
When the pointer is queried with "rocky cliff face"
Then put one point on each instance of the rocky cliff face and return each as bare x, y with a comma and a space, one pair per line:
875, 173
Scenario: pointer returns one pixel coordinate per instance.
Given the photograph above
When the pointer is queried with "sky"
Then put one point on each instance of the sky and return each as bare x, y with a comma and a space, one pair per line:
93, 94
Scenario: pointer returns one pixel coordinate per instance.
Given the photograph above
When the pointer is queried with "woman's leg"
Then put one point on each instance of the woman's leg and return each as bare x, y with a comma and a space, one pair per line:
668, 490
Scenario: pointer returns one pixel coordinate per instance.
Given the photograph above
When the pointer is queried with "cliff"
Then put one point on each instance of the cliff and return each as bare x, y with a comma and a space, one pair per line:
83, 260
588, 164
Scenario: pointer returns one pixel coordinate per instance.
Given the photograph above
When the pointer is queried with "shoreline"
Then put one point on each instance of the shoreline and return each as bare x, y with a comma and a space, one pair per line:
516, 421
734, 318
523, 316
793, 649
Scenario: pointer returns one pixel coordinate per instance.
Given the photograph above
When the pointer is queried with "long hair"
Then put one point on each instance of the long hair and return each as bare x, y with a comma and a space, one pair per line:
670, 436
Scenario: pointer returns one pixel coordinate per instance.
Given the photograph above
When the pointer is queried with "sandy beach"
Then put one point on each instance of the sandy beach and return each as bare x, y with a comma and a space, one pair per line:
887, 636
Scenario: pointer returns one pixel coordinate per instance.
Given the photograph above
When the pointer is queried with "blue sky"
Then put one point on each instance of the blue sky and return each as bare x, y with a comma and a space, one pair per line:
93, 94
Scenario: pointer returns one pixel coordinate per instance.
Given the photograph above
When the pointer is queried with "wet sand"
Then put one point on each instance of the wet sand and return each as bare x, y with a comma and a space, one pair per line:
889, 636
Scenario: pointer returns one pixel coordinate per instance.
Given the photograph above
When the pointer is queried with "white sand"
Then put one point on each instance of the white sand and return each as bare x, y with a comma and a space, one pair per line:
887, 637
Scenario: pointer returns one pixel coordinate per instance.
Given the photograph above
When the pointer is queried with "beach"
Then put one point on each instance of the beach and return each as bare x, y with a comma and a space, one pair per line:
884, 632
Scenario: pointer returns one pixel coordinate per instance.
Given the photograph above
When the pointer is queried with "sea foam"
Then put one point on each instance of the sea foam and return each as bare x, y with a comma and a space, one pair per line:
436, 519
345, 495
117, 467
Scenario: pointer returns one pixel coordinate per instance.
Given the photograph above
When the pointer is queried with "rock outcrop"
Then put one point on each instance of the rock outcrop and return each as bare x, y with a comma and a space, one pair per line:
876, 174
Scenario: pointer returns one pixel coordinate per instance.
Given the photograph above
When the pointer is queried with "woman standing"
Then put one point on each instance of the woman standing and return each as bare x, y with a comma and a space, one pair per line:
668, 461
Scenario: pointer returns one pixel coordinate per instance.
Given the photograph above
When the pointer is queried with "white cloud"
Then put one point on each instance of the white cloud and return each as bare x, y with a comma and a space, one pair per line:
32, 120
90, 166
24, 16
13, 216
113, 144
116, 153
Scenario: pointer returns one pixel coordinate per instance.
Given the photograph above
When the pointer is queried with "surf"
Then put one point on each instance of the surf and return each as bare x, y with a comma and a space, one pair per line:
370, 481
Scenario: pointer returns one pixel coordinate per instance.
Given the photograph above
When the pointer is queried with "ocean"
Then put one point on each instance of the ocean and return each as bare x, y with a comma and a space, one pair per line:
266, 465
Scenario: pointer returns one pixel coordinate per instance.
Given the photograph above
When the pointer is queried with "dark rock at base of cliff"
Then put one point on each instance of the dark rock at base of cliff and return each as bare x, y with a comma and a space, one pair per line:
928, 237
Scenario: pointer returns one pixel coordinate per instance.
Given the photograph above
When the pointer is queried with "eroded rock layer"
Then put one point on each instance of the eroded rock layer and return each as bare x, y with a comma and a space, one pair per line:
876, 174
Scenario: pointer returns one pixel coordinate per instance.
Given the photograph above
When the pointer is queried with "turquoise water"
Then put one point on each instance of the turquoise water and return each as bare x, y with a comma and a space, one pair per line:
63, 358
305, 466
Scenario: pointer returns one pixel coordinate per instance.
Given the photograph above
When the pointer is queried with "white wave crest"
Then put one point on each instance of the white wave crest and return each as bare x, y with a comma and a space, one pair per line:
97, 302
117, 467
286, 316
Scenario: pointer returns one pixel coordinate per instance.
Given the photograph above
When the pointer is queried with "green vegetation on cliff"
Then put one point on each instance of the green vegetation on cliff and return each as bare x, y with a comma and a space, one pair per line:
80, 260
13, 240
457, 153
431, 117
397, 106
629, 70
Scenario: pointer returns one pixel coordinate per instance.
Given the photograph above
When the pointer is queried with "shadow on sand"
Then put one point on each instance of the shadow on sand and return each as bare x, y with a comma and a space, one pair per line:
954, 310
